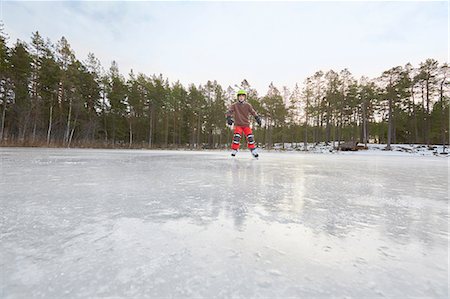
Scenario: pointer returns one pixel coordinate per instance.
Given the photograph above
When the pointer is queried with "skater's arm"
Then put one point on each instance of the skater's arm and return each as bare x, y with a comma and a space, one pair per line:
255, 115
230, 111
252, 111
229, 114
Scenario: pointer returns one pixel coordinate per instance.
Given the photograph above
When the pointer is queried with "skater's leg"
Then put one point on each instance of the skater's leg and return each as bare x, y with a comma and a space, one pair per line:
250, 138
251, 141
236, 138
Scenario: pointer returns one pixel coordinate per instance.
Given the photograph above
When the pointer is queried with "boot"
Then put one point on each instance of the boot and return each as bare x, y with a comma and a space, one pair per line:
254, 152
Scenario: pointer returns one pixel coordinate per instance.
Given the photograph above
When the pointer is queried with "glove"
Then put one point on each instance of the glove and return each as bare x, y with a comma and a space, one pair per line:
258, 120
229, 121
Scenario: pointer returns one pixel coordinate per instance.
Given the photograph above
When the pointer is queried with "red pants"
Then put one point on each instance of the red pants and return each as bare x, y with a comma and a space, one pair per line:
238, 134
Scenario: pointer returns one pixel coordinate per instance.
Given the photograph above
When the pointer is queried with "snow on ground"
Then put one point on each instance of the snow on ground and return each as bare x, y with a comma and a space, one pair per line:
123, 223
379, 149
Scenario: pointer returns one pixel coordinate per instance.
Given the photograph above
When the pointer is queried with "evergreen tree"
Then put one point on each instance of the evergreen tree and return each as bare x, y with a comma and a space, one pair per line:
180, 129
293, 114
5, 82
442, 118
396, 88
197, 103
91, 94
118, 104
331, 102
368, 96
275, 115
307, 98
37, 54
49, 75
427, 77
20, 76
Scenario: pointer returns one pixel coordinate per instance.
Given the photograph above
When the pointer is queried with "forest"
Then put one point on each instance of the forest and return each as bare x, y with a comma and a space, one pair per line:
49, 97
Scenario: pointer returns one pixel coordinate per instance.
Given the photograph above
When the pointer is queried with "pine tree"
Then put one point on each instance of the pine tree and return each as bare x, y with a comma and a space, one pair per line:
118, 100
427, 76
331, 101
367, 99
179, 96
346, 80
396, 88
307, 97
444, 84
5, 82
37, 53
293, 113
197, 103
20, 77
49, 75
91, 94
136, 105
275, 113
66, 90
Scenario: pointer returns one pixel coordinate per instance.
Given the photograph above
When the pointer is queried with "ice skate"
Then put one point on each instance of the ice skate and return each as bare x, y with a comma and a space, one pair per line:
254, 153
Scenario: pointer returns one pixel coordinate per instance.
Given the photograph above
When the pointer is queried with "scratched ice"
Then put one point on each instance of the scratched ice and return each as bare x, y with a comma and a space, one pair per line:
117, 223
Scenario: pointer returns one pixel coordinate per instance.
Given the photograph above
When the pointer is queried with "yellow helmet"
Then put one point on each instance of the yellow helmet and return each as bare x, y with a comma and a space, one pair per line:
241, 91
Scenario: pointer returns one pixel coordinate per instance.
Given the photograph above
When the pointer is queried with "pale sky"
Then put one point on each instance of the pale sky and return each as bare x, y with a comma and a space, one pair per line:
263, 42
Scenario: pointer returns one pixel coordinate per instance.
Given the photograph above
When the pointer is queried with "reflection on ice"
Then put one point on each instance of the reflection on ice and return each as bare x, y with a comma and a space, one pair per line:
80, 223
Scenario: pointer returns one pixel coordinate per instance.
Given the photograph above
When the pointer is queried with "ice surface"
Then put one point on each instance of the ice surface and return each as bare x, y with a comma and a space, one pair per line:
91, 223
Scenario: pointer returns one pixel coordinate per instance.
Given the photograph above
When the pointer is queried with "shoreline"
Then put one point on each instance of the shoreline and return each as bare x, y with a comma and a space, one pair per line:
420, 150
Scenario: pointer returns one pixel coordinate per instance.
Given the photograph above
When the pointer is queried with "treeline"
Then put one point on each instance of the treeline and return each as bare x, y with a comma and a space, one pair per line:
48, 97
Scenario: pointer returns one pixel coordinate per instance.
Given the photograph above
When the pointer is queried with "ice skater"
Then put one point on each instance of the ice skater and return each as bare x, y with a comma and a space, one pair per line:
241, 111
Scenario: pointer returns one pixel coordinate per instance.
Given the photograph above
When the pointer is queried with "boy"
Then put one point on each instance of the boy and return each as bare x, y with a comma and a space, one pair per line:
241, 110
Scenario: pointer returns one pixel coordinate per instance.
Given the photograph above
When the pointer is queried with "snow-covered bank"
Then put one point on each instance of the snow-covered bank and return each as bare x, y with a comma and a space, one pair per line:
138, 224
372, 149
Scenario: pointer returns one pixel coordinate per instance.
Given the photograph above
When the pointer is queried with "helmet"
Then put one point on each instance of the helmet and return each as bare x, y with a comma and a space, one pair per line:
241, 91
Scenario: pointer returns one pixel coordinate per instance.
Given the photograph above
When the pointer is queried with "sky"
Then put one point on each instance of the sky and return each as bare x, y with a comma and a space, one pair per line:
263, 42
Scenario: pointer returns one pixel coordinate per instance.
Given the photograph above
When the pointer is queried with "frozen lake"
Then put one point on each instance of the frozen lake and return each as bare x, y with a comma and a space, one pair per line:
117, 223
